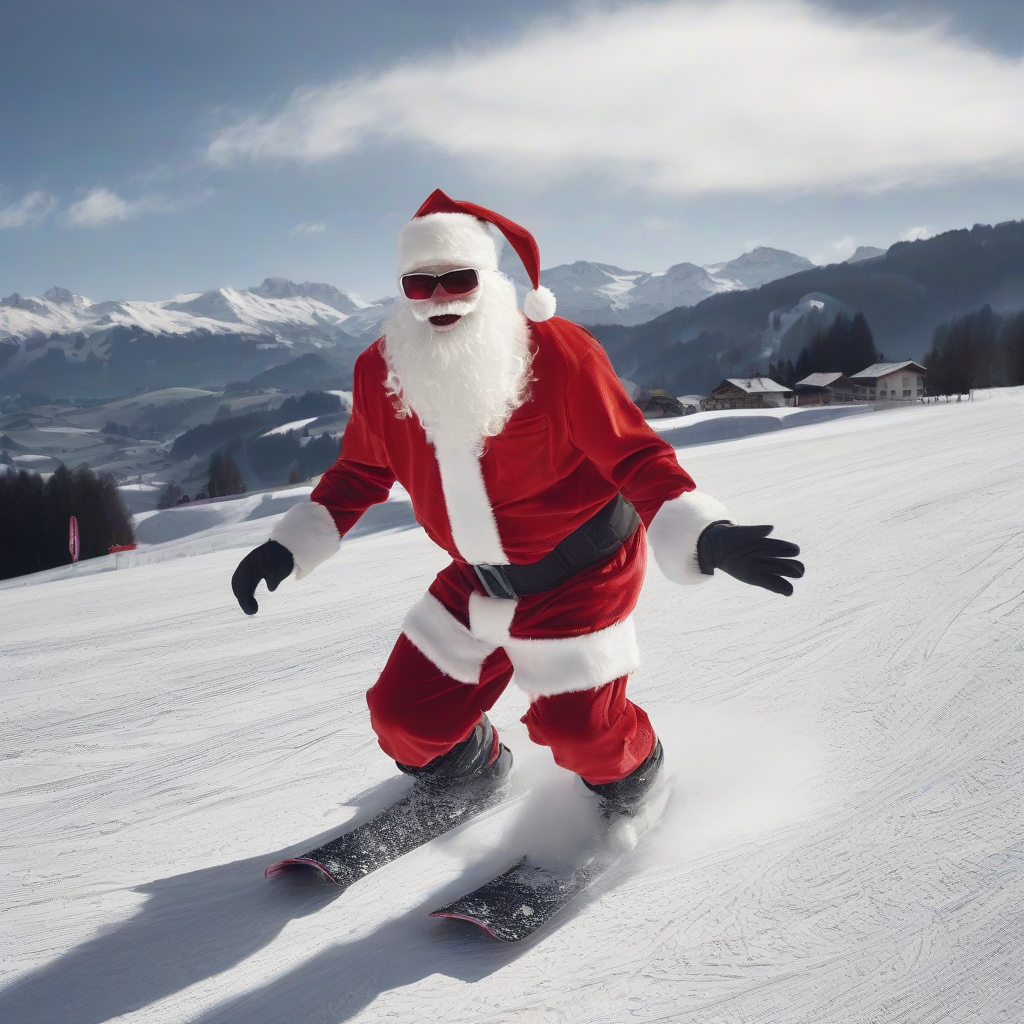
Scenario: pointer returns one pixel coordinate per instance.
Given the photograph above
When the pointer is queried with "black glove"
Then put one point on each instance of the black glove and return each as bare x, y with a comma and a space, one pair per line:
272, 562
748, 553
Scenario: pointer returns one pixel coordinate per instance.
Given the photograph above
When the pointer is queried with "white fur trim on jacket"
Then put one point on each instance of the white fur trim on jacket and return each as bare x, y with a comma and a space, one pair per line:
307, 530
542, 667
539, 304
446, 238
438, 635
674, 530
474, 528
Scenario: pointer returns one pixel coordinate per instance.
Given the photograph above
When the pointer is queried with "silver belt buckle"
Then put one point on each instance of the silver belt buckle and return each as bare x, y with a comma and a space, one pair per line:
495, 581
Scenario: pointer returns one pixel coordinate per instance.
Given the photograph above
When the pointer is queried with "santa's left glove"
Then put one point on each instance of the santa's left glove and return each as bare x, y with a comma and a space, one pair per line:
749, 554
272, 562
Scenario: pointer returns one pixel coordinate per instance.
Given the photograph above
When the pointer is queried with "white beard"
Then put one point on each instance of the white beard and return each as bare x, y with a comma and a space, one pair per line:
466, 382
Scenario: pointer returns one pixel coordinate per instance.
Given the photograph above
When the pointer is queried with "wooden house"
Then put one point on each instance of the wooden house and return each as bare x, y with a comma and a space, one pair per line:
828, 389
894, 382
748, 393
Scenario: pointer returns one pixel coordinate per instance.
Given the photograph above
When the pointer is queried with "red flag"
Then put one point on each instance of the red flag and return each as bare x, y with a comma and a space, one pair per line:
73, 538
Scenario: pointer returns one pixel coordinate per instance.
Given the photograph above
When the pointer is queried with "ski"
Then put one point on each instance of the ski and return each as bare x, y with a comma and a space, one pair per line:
517, 902
418, 817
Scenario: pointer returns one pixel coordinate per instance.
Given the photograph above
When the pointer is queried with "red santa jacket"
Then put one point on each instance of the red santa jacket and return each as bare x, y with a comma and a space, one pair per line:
574, 444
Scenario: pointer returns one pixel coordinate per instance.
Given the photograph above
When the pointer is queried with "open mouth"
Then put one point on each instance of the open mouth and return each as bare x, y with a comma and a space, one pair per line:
444, 322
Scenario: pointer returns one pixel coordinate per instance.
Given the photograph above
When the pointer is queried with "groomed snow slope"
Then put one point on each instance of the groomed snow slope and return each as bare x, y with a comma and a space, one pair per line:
844, 844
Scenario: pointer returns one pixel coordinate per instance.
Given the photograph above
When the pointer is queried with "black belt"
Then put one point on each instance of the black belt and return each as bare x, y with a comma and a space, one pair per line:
597, 539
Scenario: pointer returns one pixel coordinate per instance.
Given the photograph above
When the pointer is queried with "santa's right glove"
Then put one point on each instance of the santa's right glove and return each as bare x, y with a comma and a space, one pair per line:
272, 562
749, 554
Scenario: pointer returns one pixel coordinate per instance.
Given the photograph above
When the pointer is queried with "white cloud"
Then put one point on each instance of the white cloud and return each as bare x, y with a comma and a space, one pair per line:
28, 211
916, 234
102, 206
683, 98
835, 251
307, 228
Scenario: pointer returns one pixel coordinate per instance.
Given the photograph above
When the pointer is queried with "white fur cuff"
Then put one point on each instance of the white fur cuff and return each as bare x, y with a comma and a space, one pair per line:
307, 530
673, 534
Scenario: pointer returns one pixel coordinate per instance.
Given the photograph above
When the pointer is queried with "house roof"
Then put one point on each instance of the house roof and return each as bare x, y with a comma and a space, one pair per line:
876, 370
820, 380
756, 385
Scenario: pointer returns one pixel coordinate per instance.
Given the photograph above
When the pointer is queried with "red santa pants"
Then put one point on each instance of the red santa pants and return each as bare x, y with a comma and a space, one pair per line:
571, 648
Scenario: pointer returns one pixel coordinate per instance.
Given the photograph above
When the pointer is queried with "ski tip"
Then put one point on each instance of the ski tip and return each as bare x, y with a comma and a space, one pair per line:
454, 915
293, 864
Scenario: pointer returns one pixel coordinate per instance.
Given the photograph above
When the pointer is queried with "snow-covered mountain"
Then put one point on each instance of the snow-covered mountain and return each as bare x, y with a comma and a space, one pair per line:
277, 307
599, 293
231, 333
280, 319
758, 267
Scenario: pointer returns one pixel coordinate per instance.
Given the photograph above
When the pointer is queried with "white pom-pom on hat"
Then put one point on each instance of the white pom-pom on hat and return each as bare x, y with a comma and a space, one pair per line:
439, 233
539, 304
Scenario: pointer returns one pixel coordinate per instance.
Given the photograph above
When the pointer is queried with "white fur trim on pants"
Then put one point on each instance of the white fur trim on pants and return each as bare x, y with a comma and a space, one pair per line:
674, 531
307, 530
542, 667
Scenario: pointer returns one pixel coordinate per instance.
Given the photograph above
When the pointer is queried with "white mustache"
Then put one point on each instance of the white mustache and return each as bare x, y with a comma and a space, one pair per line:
423, 311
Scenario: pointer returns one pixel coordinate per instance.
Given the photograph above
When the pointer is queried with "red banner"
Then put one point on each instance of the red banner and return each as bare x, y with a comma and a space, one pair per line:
73, 538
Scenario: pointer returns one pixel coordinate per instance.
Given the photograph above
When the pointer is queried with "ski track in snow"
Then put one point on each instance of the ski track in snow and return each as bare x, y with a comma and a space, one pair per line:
844, 843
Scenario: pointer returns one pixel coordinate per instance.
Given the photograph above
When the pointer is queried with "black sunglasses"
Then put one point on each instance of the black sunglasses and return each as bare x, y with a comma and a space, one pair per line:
455, 282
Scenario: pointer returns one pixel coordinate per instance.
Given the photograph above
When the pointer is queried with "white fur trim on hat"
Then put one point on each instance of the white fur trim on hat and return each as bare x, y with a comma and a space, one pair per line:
436, 239
307, 530
674, 531
539, 304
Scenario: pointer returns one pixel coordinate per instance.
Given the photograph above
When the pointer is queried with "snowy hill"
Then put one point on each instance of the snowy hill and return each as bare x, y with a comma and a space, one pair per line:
600, 293
844, 842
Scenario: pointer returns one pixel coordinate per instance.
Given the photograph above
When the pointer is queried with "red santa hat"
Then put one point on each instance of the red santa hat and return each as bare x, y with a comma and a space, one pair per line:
445, 230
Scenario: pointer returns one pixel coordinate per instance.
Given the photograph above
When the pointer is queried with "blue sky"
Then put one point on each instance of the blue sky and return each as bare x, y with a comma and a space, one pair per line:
155, 148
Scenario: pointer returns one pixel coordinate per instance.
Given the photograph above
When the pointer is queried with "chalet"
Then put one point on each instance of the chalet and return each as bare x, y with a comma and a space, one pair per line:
747, 393
656, 404
828, 389
901, 382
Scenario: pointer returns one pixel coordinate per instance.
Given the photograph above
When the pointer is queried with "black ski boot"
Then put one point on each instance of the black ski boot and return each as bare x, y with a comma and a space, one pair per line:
478, 759
626, 796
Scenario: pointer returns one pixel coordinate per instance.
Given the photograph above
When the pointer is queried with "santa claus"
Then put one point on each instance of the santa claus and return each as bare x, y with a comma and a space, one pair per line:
528, 463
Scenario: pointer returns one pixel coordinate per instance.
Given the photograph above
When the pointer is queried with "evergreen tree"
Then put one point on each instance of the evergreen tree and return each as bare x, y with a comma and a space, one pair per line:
963, 354
34, 518
225, 477
783, 372
1011, 349
861, 352
169, 496
846, 346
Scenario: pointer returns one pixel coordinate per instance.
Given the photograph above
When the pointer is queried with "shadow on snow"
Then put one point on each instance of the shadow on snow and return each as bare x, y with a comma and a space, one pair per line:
199, 924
